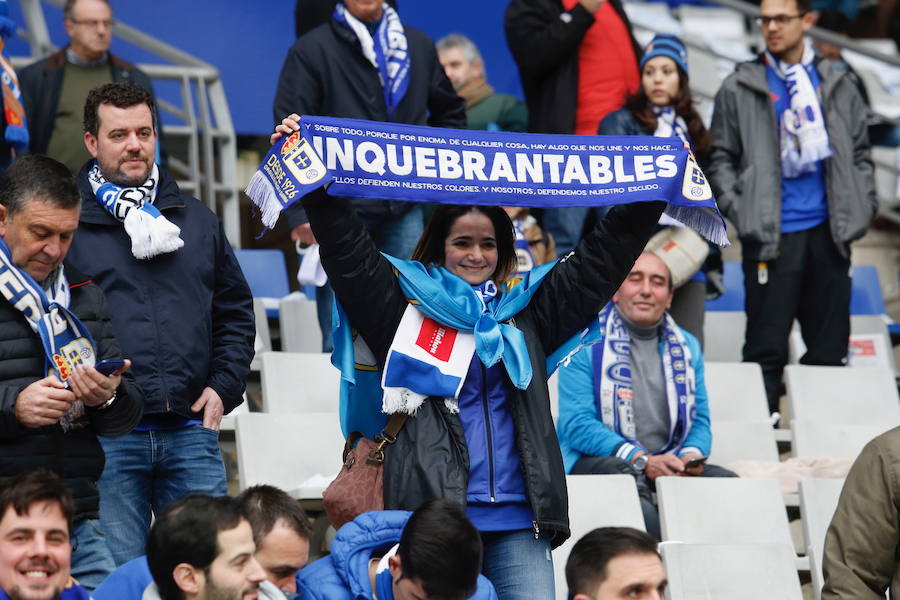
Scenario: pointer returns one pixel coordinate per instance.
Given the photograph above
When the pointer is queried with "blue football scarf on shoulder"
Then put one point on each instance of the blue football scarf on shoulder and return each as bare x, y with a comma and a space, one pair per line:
389, 161
67, 342
611, 361
14, 113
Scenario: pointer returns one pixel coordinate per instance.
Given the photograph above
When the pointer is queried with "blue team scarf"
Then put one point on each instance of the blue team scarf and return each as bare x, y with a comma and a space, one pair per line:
384, 585
613, 384
387, 51
14, 113
524, 257
388, 161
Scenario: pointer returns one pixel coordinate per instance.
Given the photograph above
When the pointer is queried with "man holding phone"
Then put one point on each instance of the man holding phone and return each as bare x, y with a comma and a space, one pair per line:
636, 402
54, 334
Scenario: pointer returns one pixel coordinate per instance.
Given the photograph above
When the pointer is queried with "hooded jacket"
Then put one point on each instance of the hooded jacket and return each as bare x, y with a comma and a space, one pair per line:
344, 574
184, 318
745, 167
430, 458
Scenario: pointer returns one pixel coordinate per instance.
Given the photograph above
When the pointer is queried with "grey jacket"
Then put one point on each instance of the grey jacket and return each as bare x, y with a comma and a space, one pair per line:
745, 169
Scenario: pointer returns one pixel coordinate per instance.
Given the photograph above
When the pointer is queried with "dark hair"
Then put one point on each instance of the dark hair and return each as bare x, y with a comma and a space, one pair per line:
264, 505
683, 103
440, 548
119, 94
187, 532
37, 176
21, 492
430, 248
804, 6
586, 567
833, 20
69, 7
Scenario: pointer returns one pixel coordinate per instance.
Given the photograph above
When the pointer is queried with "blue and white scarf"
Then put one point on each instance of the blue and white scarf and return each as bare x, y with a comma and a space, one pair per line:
669, 124
524, 257
613, 387
804, 139
150, 232
66, 341
387, 51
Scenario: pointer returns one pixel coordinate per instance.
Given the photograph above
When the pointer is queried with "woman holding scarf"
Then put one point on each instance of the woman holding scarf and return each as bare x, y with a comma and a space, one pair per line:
491, 445
663, 106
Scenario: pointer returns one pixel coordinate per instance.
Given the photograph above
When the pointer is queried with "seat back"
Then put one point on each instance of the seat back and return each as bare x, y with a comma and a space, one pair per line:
742, 440
733, 298
299, 325
723, 335
299, 382
736, 392
865, 292
265, 272
735, 572
620, 508
818, 500
857, 396
835, 440
707, 510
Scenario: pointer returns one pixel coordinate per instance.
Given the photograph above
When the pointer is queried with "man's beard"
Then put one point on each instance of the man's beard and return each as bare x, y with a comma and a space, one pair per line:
214, 592
16, 594
122, 180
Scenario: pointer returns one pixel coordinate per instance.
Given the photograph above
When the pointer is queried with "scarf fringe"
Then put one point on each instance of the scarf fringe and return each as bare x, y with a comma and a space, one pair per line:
397, 400
703, 220
261, 192
151, 236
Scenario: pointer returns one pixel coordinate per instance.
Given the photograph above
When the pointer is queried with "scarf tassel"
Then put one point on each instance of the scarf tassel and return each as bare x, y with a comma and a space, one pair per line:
262, 193
150, 234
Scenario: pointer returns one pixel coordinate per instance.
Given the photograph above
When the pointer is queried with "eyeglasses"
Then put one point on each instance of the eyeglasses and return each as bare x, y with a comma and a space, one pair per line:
779, 20
93, 23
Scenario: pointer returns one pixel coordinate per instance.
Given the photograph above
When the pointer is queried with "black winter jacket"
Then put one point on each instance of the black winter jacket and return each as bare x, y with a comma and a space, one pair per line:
184, 318
325, 74
544, 41
430, 458
77, 455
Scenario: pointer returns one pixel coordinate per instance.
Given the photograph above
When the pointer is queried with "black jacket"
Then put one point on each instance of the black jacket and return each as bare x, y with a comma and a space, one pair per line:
41, 85
77, 455
430, 458
545, 48
325, 74
184, 318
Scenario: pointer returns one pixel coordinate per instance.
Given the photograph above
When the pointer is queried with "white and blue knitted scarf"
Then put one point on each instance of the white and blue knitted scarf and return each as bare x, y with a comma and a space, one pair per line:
150, 232
387, 51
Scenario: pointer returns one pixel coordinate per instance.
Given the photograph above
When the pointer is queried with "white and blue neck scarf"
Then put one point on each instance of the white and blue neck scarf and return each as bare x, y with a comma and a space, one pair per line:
612, 369
669, 124
524, 257
804, 139
150, 232
387, 51
67, 342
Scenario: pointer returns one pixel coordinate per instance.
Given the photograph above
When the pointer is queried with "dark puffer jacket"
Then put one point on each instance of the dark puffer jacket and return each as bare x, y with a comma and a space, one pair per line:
76, 455
430, 458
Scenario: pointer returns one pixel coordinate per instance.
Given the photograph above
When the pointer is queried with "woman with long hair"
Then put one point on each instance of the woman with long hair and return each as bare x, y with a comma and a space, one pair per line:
492, 447
663, 106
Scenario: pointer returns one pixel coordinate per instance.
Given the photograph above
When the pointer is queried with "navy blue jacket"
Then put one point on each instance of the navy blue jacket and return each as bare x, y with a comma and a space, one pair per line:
621, 122
344, 574
185, 318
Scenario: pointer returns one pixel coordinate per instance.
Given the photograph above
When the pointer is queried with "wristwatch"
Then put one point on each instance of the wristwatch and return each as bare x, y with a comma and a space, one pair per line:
108, 403
639, 464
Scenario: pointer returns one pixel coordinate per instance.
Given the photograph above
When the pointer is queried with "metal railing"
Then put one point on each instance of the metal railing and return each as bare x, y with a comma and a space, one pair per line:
207, 168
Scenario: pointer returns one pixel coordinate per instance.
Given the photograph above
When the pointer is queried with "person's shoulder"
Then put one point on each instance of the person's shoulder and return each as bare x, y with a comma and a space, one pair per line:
57, 60
417, 36
322, 35
321, 579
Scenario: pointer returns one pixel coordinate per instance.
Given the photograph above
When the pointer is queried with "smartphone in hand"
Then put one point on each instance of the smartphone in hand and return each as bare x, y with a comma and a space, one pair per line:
110, 365
695, 462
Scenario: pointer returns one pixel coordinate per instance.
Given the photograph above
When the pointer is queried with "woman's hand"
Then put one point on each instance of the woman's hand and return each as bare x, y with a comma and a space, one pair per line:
288, 125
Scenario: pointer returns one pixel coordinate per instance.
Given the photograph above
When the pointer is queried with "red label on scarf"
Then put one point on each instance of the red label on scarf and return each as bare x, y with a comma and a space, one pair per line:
436, 339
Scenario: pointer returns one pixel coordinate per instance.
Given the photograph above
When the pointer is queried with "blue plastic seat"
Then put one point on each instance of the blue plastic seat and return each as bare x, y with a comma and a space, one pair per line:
733, 298
266, 274
865, 295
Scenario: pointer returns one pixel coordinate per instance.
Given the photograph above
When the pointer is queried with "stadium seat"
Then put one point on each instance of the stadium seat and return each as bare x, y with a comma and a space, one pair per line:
300, 454
736, 391
266, 274
735, 572
263, 342
723, 335
299, 382
708, 510
835, 440
870, 343
596, 501
865, 295
299, 325
865, 395
742, 441
818, 500
733, 298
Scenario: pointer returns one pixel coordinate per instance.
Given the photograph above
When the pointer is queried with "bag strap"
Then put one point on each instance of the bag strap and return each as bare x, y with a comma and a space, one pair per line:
387, 437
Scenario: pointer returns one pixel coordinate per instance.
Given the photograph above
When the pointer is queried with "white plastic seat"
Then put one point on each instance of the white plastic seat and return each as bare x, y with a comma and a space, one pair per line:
736, 392
742, 440
864, 395
818, 501
870, 343
299, 323
596, 501
723, 333
732, 572
299, 382
836, 440
263, 341
300, 454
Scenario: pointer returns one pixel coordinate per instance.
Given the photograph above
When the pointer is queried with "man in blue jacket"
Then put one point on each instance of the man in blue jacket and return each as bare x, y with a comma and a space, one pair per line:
636, 402
180, 308
434, 552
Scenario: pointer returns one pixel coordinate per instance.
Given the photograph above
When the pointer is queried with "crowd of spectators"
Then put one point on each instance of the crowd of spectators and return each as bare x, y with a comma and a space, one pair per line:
130, 329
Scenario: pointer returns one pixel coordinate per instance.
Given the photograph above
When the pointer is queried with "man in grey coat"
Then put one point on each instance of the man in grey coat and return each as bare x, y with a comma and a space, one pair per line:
791, 169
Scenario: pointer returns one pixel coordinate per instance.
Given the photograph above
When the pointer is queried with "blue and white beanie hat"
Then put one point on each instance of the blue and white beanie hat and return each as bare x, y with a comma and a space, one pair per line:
666, 44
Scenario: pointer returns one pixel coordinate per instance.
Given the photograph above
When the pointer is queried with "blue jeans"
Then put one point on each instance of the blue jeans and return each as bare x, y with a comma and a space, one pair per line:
92, 561
519, 566
396, 236
145, 471
565, 225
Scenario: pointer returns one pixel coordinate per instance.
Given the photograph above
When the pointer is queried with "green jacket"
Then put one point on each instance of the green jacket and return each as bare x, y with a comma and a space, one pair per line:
863, 541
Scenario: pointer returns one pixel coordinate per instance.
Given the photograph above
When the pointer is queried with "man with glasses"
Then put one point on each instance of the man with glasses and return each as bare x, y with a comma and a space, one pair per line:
790, 167
54, 88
